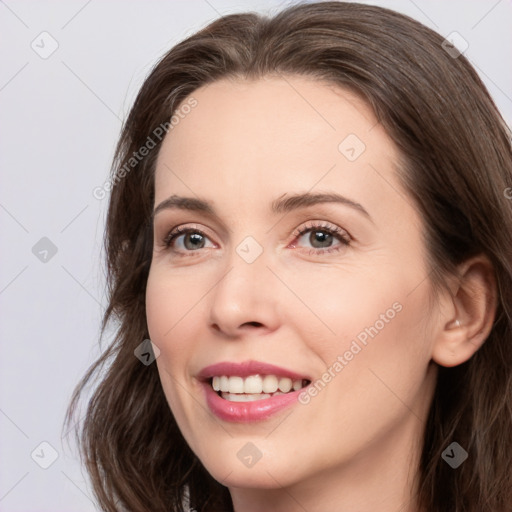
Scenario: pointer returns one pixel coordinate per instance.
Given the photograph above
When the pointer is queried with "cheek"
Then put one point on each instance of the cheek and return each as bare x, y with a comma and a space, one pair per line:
168, 314
339, 305
170, 300
365, 323
168, 311
374, 368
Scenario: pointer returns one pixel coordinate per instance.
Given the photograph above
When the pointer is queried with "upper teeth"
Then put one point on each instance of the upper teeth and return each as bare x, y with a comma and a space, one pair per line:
255, 384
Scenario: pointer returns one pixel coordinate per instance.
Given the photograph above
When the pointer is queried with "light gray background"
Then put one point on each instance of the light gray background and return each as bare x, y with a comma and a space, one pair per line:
60, 118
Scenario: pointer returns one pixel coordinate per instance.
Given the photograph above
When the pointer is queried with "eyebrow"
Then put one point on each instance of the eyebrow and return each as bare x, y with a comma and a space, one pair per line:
280, 205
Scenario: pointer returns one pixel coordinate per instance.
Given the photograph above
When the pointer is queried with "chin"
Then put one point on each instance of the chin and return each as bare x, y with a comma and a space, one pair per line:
260, 477
232, 466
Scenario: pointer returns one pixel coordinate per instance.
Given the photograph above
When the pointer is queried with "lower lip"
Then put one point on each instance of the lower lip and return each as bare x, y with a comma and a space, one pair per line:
245, 412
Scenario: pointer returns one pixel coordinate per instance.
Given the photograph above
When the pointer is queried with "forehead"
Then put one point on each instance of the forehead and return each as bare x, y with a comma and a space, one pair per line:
269, 135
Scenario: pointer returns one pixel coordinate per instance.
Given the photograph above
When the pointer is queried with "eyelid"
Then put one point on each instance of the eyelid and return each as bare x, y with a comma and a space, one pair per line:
321, 225
184, 229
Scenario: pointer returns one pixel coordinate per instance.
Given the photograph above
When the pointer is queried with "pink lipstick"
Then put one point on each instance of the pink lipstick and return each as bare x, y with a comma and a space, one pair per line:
251, 390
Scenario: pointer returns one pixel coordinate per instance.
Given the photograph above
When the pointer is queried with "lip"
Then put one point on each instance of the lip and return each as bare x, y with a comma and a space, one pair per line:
247, 368
246, 412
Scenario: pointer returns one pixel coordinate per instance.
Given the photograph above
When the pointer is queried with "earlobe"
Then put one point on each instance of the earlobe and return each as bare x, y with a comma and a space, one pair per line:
471, 309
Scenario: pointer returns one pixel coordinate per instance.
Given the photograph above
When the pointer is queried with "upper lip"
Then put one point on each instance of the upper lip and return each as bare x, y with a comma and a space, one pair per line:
246, 368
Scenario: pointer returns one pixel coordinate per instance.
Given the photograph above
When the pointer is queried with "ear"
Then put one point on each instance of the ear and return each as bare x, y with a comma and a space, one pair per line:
467, 313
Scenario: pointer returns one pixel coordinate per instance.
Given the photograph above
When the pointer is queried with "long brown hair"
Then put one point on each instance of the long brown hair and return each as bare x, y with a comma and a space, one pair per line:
456, 164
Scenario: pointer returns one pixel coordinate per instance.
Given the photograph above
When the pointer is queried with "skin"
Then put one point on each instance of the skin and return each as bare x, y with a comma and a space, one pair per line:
354, 446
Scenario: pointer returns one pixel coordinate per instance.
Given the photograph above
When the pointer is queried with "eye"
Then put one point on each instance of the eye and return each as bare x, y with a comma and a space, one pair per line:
321, 237
186, 239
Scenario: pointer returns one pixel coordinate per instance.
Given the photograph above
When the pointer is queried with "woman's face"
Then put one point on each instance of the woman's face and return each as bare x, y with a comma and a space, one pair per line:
299, 262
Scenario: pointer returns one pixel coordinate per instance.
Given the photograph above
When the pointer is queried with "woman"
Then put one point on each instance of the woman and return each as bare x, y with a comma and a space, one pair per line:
309, 220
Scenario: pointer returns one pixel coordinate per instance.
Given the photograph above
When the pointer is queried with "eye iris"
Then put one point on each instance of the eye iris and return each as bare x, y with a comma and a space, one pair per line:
196, 239
322, 237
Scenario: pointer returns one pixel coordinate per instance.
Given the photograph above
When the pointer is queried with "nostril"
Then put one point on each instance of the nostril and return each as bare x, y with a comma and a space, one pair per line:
253, 324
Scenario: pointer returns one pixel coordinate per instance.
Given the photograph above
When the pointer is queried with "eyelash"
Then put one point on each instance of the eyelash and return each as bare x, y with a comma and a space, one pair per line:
336, 232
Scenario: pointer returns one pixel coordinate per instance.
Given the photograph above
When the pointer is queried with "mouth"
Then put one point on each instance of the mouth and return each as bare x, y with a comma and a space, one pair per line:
250, 391
235, 388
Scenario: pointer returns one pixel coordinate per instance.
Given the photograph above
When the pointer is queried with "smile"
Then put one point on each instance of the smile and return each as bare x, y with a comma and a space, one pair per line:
250, 391
254, 387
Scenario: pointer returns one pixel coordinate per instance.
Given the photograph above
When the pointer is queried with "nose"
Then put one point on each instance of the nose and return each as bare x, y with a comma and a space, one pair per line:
245, 299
